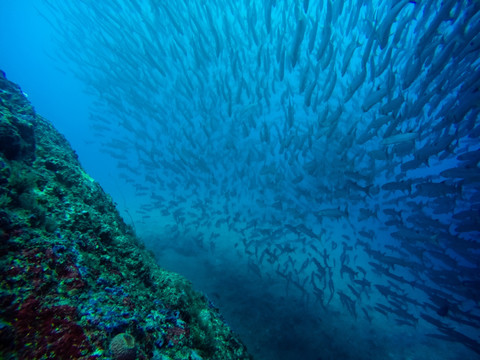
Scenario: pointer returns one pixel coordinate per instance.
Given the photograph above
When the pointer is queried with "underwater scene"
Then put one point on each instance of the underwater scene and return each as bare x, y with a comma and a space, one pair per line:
312, 167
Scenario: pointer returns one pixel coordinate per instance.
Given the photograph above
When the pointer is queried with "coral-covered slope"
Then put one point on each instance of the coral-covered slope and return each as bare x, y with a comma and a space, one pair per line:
75, 283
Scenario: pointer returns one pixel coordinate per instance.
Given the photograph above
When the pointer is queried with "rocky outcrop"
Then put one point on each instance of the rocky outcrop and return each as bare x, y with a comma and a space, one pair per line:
73, 275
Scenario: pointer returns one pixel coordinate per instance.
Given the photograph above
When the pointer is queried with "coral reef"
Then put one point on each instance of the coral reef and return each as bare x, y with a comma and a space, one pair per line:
75, 281
123, 347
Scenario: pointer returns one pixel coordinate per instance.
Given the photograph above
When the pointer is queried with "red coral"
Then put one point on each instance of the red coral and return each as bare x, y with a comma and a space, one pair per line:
66, 269
42, 332
33, 255
16, 233
49, 254
71, 275
14, 271
176, 334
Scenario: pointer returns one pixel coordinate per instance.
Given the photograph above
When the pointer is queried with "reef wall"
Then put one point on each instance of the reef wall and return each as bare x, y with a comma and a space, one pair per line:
75, 283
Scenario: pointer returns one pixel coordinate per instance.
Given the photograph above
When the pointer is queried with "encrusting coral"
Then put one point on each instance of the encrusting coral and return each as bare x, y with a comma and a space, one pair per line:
75, 283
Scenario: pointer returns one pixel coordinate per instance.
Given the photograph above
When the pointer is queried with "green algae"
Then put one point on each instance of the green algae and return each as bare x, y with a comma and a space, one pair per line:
73, 273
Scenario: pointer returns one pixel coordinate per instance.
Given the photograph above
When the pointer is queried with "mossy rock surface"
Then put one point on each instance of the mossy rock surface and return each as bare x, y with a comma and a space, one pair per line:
73, 274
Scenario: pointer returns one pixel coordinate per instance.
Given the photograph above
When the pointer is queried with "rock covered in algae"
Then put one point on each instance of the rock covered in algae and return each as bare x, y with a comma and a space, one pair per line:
74, 278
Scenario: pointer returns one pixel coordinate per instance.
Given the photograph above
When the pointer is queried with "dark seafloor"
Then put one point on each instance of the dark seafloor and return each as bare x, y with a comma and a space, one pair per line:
75, 281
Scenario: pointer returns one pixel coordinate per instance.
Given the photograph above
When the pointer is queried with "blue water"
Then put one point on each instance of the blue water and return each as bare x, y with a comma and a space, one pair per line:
311, 166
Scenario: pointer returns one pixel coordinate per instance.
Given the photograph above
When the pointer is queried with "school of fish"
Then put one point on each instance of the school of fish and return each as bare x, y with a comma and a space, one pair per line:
339, 140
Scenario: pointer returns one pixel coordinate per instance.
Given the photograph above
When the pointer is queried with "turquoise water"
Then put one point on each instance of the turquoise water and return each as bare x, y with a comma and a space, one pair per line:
311, 166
